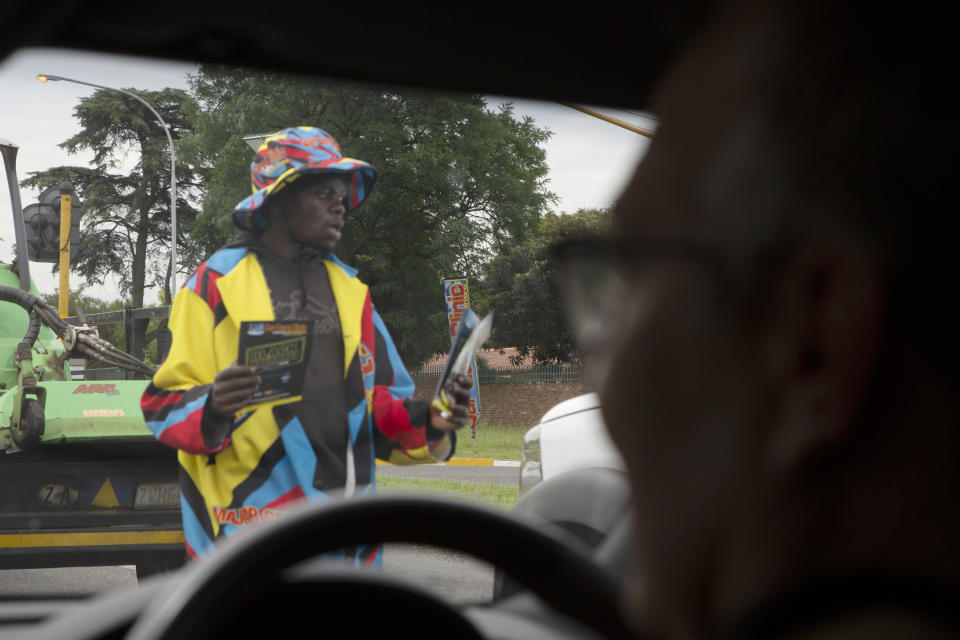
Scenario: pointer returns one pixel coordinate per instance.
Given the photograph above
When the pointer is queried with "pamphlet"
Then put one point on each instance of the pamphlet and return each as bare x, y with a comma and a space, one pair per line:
471, 334
278, 350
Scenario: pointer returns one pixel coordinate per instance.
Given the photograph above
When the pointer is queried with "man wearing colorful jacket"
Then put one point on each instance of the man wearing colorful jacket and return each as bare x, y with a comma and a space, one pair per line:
240, 467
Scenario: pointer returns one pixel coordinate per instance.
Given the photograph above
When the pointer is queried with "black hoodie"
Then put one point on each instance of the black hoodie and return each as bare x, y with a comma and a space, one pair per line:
323, 409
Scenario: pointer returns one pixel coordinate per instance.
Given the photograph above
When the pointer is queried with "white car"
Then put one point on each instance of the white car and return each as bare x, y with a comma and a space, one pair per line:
573, 481
570, 436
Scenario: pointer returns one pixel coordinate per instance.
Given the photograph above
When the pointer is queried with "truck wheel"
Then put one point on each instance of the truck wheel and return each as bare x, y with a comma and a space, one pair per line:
30, 431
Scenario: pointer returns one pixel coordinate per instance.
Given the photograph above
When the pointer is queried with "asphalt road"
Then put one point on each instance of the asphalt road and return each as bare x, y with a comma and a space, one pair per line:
502, 476
459, 578
65, 581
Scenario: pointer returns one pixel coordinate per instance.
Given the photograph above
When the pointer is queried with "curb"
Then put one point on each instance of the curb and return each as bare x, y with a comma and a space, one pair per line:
465, 462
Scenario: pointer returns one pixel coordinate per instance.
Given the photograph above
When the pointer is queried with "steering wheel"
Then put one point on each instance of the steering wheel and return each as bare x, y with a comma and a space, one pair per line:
251, 566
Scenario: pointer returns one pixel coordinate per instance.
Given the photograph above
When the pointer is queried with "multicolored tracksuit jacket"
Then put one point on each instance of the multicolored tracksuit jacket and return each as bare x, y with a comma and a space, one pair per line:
267, 464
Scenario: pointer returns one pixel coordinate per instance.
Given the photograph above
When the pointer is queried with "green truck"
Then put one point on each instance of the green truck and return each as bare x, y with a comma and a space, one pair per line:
83, 482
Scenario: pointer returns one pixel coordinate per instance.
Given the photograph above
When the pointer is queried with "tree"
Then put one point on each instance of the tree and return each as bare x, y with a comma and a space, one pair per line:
126, 214
520, 287
457, 181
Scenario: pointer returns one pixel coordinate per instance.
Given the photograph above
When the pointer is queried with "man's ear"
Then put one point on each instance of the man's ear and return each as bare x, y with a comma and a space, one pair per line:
825, 333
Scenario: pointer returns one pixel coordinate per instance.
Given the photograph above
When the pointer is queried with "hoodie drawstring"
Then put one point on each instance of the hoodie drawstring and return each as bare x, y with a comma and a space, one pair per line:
300, 249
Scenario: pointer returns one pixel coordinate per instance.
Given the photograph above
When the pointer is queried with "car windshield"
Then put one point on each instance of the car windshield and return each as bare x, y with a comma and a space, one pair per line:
471, 192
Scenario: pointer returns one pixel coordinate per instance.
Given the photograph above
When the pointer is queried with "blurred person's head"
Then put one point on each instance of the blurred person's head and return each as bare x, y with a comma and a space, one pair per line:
781, 384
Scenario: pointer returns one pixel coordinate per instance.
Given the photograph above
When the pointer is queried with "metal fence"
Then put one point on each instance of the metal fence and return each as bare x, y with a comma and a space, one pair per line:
508, 375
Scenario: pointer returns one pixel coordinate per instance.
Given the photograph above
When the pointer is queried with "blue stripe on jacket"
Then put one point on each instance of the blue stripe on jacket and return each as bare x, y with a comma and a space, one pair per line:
177, 415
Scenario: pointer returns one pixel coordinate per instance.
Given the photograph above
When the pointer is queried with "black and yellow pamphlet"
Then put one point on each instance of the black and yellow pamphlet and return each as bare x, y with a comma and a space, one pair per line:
278, 350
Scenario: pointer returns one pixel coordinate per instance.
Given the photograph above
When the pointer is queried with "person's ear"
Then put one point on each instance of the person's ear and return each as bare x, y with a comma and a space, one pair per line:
826, 329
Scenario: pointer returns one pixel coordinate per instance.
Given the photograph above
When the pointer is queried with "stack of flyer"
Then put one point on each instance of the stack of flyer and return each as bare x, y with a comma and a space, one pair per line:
471, 334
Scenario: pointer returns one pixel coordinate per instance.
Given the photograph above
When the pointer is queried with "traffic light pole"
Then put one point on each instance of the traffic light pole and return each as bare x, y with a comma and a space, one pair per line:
66, 201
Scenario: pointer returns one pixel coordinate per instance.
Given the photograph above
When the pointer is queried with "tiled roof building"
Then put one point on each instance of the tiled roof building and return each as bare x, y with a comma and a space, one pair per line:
495, 360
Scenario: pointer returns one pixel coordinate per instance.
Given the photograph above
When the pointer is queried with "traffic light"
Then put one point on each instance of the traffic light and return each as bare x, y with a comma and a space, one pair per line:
42, 224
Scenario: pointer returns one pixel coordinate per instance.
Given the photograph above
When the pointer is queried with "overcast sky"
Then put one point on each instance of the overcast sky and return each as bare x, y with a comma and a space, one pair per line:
590, 160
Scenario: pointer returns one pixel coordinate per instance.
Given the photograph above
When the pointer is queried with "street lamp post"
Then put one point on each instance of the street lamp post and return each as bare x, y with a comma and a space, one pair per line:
173, 168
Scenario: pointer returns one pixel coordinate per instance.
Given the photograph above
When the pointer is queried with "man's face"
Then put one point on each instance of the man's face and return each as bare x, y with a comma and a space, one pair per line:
316, 212
682, 392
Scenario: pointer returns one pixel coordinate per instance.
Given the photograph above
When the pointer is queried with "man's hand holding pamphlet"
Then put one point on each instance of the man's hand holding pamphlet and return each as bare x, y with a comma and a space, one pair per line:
471, 334
278, 351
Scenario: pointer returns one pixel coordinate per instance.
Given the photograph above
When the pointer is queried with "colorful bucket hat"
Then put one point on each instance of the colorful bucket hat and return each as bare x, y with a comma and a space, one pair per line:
289, 154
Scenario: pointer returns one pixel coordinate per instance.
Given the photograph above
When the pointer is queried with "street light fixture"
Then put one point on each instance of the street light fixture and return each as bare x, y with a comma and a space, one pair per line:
43, 77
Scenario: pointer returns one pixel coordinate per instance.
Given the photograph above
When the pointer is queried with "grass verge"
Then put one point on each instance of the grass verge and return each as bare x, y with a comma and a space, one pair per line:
487, 495
495, 441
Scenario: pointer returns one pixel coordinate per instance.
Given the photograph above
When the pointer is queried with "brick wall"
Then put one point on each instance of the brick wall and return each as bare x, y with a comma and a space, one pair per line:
517, 405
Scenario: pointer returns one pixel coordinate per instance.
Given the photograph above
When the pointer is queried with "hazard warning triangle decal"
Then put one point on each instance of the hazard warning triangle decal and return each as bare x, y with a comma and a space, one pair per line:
106, 497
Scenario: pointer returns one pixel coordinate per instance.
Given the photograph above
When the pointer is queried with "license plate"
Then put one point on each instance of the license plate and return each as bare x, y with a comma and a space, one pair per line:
157, 495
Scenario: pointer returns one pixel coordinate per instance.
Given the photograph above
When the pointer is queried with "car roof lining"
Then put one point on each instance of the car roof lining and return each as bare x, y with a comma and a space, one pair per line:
571, 54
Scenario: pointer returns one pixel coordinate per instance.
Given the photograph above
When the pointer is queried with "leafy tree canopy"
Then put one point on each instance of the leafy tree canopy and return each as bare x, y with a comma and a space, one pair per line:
126, 211
521, 288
